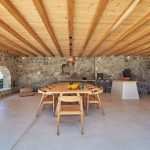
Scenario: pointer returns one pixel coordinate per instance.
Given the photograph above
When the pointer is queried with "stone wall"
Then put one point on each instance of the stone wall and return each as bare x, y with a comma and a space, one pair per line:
39, 71
8, 67
114, 66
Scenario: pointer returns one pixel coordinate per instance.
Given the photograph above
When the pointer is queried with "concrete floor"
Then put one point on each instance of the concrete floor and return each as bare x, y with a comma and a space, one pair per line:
126, 126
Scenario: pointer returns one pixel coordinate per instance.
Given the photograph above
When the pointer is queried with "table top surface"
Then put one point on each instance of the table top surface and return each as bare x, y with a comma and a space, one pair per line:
63, 88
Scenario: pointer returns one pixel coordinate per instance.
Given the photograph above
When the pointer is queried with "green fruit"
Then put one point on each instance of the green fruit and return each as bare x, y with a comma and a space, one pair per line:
81, 86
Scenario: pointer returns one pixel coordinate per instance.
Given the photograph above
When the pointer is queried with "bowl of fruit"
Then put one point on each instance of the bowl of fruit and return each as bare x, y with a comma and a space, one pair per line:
73, 86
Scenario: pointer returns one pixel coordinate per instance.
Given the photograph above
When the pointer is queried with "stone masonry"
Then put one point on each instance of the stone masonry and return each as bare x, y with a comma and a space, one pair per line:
39, 71
115, 65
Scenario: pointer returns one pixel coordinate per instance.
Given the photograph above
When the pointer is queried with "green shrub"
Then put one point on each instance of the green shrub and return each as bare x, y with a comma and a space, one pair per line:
1, 83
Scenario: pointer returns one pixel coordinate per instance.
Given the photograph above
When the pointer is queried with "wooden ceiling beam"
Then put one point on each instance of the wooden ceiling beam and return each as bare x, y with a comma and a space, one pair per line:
121, 49
43, 14
127, 12
146, 51
130, 30
19, 37
111, 29
17, 15
143, 52
2, 48
135, 50
132, 49
22, 49
12, 49
7, 51
70, 12
98, 14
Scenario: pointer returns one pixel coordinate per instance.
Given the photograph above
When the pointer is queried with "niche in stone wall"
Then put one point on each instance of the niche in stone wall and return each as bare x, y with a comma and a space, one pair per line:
65, 69
5, 76
148, 65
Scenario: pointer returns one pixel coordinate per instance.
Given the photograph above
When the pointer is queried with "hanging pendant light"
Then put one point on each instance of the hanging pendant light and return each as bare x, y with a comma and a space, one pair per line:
71, 61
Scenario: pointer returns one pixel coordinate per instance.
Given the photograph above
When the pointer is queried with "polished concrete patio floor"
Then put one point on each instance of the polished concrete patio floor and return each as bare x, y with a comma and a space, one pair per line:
126, 126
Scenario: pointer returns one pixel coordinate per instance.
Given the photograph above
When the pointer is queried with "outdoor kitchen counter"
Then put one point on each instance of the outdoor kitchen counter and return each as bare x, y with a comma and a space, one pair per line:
125, 89
78, 80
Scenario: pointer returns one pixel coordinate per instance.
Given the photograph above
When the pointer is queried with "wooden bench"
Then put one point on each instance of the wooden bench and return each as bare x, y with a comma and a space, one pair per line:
26, 92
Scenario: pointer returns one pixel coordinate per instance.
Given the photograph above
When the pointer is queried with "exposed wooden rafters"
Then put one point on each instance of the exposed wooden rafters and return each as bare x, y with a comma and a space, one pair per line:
121, 49
144, 52
18, 36
110, 30
3, 49
135, 50
43, 14
12, 49
70, 12
135, 47
98, 14
75, 27
14, 12
9, 52
22, 49
126, 13
130, 30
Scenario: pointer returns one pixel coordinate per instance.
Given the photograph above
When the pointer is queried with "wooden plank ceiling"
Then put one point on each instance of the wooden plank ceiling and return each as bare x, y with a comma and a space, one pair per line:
75, 27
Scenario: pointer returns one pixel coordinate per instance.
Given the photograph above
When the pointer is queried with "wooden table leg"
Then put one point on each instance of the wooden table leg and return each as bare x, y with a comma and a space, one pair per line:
40, 105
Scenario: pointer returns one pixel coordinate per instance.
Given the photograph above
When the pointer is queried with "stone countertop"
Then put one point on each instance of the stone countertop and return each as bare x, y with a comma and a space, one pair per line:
124, 81
77, 80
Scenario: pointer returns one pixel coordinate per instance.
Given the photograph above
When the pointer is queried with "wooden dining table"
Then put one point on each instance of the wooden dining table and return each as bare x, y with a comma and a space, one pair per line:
63, 88
59, 88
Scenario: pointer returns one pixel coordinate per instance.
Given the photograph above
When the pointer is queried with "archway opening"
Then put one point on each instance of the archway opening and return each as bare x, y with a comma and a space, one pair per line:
1, 80
5, 78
